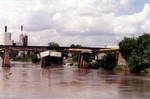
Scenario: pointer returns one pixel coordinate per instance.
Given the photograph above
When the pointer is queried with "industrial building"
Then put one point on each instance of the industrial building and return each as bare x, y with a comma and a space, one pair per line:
7, 37
23, 38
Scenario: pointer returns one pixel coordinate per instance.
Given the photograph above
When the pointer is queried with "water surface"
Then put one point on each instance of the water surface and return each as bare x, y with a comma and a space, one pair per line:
30, 81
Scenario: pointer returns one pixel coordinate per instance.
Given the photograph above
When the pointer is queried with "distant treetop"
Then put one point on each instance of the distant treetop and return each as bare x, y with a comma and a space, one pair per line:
53, 44
77, 45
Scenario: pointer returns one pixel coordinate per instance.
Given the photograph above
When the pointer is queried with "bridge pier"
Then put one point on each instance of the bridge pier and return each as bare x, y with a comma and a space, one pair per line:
46, 62
84, 60
80, 61
6, 59
117, 57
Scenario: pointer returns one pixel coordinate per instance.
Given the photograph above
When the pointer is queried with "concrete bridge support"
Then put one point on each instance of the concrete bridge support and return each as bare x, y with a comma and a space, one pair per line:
117, 56
6, 59
80, 61
83, 61
46, 62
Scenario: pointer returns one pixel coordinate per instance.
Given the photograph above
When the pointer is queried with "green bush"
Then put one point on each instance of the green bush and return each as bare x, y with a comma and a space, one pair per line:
95, 65
121, 68
35, 59
75, 57
108, 62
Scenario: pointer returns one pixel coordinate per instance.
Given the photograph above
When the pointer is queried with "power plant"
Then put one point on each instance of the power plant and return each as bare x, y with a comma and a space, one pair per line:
23, 38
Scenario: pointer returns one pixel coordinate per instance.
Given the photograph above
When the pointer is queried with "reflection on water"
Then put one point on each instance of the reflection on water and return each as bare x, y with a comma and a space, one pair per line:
29, 81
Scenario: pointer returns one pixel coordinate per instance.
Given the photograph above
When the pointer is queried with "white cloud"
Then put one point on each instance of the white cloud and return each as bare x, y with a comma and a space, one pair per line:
86, 22
135, 23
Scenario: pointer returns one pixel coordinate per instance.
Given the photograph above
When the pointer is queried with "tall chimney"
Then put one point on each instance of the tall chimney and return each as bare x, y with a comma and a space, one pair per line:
21, 27
5, 28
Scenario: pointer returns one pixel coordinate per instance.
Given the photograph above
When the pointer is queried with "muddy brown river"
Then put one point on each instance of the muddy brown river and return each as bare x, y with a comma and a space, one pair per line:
30, 81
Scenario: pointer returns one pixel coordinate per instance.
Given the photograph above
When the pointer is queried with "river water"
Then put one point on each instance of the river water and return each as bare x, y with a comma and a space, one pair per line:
30, 81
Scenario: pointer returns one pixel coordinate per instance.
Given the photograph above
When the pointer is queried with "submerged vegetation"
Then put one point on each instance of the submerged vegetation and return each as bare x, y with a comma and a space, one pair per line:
24, 56
107, 62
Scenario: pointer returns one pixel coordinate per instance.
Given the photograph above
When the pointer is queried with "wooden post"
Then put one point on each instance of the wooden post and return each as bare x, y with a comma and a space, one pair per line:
6, 60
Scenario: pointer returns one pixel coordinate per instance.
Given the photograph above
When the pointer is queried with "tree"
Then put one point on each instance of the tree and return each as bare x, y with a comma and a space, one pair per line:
143, 43
53, 44
144, 40
127, 46
108, 62
77, 45
135, 63
136, 52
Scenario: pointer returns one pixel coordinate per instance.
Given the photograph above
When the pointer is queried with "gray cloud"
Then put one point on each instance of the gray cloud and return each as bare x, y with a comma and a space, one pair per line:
85, 22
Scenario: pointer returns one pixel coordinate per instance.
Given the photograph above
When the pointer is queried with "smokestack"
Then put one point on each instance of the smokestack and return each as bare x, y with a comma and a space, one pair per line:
5, 28
21, 27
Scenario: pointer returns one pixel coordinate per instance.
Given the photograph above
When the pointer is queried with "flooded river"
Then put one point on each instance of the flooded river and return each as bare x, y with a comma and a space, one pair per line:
30, 81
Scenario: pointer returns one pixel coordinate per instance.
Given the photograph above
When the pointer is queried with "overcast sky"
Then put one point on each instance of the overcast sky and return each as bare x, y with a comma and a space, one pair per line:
91, 23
